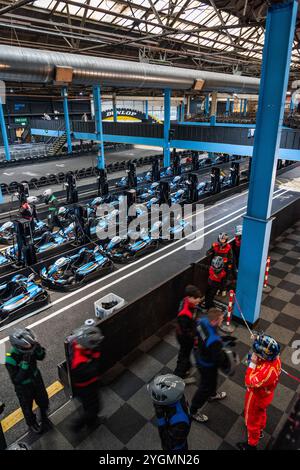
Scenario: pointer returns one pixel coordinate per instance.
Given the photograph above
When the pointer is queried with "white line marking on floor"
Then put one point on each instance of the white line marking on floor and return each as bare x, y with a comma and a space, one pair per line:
131, 273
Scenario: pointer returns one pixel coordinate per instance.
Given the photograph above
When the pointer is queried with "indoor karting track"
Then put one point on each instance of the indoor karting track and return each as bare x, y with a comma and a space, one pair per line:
130, 281
36, 170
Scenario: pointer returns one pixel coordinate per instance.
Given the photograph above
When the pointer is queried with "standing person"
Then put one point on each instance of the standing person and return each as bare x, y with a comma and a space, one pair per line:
216, 281
21, 364
209, 356
261, 380
85, 373
186, 329
171, 410
84, 117
222, 248
236, 245
51, 201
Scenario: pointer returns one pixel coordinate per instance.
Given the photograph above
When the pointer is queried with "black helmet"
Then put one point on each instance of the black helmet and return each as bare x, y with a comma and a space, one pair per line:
166, 389
23, 339
223, 238
89, 337
217, 263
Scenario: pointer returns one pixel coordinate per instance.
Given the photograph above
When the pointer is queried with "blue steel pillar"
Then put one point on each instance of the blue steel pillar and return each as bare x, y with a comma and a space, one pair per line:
167, 126
241, 105
64, 94
231, 107
98, 125
245, 106
280, 28
227, 107
206, 105
147, 109
292, 106
1, 196
181, 112
4, 132
115, 114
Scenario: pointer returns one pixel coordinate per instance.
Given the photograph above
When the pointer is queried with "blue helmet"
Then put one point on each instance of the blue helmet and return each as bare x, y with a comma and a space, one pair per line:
217, 263
266, 347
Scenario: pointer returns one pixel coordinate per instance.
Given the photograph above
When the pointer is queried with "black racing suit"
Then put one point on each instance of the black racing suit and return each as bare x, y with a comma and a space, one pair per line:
85, 374
209, 356
185, 333
173, 425
28, 381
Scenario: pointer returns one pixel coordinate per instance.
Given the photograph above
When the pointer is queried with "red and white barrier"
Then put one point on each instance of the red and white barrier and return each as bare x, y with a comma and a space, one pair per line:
227, 326
266, 286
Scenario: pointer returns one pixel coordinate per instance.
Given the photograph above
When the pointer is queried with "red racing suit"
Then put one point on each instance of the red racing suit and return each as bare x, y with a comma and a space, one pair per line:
225, 251
261, 382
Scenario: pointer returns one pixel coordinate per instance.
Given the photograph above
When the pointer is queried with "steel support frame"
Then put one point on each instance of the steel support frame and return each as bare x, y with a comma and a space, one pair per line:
64, 94
4, 132
245, 104
167, 126
206, 105
98, 126
147, 109
227, 111
279, 35
115, 113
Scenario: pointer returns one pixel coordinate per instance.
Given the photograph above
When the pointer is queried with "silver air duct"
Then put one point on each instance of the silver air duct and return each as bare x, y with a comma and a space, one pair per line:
20, 64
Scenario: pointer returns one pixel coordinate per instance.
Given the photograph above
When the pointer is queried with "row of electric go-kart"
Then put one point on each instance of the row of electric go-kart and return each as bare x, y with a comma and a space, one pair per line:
21, 294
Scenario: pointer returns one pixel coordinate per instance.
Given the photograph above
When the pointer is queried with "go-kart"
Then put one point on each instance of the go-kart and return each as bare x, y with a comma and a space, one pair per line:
178, 197
122, 250
19, 296
70, 272
7, 231
46, 242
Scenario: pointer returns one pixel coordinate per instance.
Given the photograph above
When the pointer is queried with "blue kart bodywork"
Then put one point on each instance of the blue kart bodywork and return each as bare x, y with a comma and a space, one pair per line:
69, 272
122, 250
7, 231
20, 295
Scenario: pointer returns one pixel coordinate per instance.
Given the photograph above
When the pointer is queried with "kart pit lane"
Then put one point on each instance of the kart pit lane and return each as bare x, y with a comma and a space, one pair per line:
129, 281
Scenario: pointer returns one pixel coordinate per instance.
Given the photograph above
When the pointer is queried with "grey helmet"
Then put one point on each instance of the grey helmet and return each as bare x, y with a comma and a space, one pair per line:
223, 238
166, 389
23, 339
217, 263
89, 337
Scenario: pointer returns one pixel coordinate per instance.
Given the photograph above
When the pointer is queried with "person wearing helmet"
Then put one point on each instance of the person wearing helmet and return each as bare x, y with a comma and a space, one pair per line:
171, 410
262, 376
21, 364
209, 356
216, 281
236, 245
85, 364
186, 330
222, 248
51, 200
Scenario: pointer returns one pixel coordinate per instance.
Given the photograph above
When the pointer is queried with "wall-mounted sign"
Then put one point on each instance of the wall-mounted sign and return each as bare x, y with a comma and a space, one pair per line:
23, 121
127, 115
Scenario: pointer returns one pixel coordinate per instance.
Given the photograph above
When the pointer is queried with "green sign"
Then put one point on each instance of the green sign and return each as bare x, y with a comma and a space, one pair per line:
23, 121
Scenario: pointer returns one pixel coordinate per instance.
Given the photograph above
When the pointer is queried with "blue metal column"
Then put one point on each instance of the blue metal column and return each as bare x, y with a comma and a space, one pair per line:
245, 106
241, 105
115, 114
206, 105
182, 110
167, 126
98, 125
64, 94
292, 106
227, 106
280, 28
1, 196
147, 109
4, 132
231, 107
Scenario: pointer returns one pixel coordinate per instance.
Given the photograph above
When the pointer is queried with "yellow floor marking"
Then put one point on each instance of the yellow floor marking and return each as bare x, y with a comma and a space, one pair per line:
17, 416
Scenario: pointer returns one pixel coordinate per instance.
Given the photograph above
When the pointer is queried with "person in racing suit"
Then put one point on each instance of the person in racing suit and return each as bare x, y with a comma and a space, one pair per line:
209, 357
21, 364
236, 246
85, 366
222, 248
216, 281
262, 376
171, 410
51, 201
186, 329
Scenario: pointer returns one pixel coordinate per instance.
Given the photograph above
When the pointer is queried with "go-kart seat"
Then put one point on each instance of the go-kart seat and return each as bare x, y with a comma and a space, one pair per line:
12, 289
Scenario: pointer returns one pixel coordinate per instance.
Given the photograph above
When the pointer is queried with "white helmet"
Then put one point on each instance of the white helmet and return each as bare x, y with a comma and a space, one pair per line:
32, 200
47, 192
